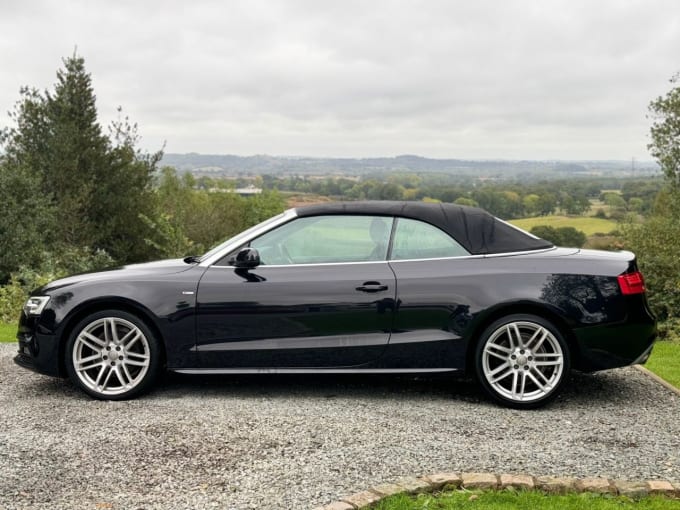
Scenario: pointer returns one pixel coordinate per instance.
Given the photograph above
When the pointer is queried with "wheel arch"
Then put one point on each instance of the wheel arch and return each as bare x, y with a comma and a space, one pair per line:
106, 303
539, 309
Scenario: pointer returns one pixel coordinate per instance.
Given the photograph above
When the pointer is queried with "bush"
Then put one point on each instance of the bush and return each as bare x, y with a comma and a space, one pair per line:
562, 236
12, 297
656, 244
67, 261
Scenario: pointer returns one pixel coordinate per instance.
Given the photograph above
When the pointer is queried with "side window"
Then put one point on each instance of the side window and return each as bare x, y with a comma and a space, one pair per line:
415, 239
325, 239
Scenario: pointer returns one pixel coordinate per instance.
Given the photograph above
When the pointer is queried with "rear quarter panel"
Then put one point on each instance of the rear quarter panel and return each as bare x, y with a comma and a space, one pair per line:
442, 305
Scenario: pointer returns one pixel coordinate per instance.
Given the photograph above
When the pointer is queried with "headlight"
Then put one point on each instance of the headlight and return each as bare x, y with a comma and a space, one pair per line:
35, 304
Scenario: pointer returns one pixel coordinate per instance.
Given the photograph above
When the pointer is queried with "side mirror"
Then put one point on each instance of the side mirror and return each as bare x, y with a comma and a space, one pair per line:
246, 258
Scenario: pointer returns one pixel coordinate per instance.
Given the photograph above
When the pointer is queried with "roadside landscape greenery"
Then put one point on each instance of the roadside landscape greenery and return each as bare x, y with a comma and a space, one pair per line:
75, 197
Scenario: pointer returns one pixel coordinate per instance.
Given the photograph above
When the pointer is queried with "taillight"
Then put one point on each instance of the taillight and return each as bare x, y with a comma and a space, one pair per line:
632, 283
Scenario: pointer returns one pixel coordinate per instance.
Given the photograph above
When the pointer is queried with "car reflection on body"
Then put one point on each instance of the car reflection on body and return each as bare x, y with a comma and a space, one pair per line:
353, 287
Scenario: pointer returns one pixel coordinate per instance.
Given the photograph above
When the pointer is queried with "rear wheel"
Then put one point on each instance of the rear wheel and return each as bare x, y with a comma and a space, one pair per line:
522, 361
112, 355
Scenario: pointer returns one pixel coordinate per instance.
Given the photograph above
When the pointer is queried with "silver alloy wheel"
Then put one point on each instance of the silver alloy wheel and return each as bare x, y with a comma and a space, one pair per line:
522, 361
111, 356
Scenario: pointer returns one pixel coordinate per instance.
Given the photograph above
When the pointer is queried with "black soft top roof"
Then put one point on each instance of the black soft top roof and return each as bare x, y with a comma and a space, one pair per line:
478, 231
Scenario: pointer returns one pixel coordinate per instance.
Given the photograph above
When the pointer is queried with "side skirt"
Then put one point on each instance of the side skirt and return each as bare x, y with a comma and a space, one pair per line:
215, 371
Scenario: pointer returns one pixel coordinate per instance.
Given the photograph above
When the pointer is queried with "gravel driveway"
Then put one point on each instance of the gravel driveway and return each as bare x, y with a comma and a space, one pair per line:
295, 442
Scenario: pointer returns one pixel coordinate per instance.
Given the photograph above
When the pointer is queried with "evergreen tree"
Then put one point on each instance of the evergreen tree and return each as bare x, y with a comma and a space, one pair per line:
76, 152
97, 185
25, 217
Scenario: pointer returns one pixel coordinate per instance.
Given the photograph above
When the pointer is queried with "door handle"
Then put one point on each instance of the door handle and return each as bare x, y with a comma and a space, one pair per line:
372, 287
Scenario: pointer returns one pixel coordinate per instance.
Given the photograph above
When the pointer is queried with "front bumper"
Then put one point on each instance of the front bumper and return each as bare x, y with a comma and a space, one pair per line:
38, 351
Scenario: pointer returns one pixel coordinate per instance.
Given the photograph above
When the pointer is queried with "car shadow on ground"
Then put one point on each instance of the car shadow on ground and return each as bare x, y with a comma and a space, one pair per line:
605, 388
322, 385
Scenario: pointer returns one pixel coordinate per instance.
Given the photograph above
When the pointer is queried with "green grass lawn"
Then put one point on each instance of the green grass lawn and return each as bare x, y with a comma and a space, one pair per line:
665, 361
8, 332
586, 224
507, 500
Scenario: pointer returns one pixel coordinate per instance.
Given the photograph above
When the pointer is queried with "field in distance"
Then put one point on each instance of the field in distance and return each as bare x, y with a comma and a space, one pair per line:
586, 224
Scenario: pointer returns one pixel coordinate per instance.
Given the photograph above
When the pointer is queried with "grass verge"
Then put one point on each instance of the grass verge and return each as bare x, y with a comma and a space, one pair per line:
665, 361
506, 500
8, 332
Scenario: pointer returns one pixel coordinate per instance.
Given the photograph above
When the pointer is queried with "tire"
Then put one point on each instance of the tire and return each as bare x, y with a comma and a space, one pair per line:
522, 361
112, 355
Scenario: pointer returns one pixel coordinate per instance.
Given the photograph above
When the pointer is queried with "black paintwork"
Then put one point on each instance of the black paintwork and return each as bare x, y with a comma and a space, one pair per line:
294, 316
401, 315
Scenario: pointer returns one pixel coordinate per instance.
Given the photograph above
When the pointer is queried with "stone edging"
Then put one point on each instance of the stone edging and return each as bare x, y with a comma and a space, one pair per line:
551, 484
658, 379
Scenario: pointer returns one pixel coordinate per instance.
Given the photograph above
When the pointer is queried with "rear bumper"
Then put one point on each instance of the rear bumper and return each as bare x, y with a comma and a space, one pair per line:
617, 345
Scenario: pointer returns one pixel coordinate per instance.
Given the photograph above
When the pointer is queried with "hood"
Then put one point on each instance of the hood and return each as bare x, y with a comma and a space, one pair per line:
132, 271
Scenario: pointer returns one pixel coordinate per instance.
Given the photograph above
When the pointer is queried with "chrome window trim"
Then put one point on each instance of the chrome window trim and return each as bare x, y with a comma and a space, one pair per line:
316, 264
481, 256
459, 257
462, 257
523, 252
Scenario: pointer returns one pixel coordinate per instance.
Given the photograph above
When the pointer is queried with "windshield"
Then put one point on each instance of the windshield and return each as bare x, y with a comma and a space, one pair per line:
242, 235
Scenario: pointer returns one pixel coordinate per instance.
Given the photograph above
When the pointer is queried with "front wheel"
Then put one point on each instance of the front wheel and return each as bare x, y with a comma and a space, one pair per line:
522, 361
112, 355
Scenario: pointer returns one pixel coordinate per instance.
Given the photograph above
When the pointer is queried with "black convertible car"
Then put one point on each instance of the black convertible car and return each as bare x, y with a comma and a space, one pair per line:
357, 287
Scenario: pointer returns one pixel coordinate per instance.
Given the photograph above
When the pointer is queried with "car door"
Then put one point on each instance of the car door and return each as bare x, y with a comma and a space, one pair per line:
323, 296
434, 297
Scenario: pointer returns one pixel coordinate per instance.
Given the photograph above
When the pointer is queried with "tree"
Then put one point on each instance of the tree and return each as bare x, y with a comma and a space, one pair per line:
656, 242
58, 139
96, 185
24, 219
636, 204
192, 219
665, 132
124, 191
532, 204
547, 204
613, 200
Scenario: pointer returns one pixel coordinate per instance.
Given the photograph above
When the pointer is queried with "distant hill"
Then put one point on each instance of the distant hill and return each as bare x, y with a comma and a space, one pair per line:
230, 165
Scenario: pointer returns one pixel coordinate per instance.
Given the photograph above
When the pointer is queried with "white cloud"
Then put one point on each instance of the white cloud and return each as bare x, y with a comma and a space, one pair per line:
485, 79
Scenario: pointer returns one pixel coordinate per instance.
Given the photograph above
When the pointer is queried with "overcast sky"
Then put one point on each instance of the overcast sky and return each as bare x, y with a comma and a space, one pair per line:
445, 79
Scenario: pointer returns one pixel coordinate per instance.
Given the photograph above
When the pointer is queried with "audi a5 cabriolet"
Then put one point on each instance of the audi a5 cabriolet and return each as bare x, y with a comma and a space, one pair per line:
353, 287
